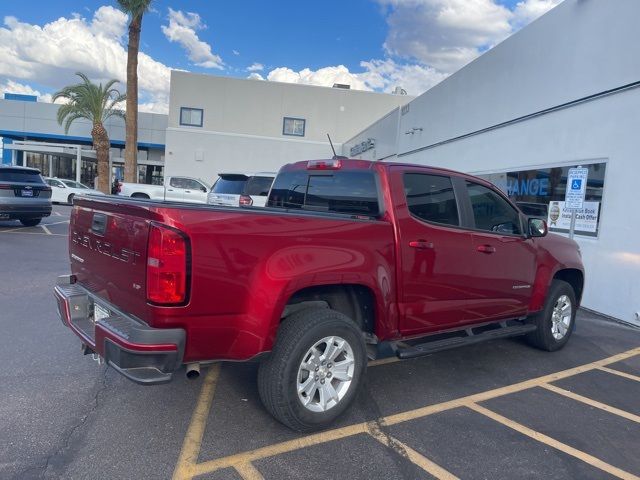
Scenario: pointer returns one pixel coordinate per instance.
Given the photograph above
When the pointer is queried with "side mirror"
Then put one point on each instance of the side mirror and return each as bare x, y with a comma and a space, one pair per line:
203, 189
537, 227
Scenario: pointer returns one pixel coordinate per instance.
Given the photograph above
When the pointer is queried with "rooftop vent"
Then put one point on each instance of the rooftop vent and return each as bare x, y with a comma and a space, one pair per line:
345, 86
399, 91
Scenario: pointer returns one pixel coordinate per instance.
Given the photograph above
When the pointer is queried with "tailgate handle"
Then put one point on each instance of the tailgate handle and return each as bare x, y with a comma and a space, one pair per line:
99, 223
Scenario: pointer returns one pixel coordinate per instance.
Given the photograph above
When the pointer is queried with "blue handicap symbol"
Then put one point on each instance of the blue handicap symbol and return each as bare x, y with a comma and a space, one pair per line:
576, 184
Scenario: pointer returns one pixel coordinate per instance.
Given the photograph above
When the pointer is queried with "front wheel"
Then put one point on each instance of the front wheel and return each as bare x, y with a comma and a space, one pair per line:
557, 319
314, 370
70, 198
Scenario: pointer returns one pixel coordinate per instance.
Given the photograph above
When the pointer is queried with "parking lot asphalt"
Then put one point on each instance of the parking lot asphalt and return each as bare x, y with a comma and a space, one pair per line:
499, 410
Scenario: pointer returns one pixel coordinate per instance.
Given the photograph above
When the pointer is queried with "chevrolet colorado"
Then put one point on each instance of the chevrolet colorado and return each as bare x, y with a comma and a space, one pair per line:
349, 259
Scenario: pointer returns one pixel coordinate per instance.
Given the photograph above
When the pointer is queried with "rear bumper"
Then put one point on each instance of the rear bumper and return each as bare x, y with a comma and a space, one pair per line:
8, 210
141, 353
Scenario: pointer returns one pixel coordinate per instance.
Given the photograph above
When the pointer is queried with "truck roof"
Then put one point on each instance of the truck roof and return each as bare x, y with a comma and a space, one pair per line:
356, 164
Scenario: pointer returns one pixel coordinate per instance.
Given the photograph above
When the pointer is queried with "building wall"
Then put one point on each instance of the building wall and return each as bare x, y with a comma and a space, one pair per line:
38, 120
243, 122
568, 54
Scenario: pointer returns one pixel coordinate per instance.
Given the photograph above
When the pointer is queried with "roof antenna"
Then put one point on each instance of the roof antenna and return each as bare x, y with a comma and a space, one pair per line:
335, 155
331, 143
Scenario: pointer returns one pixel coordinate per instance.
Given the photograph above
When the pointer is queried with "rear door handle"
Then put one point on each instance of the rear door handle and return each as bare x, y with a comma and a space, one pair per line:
421, 244
486, 249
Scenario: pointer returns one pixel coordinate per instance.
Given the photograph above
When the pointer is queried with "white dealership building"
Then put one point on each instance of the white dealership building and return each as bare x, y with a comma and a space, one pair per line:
562, 92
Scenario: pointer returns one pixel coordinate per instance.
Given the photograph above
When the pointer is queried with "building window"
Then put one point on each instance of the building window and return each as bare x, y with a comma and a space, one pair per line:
191, 117
540, 193
293, 126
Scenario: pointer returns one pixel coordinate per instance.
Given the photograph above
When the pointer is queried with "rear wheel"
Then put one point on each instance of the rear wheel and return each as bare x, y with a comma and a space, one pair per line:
557, 319
314, 370
30, 222
140, 195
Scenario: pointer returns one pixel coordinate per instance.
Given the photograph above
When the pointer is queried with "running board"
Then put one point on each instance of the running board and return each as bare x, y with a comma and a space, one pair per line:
455, 342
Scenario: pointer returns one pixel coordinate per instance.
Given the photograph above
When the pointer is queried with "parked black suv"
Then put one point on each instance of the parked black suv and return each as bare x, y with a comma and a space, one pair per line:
24, 195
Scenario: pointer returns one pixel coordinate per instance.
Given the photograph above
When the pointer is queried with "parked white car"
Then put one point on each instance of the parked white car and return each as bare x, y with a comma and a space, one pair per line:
175, 189
241, 189
63, 190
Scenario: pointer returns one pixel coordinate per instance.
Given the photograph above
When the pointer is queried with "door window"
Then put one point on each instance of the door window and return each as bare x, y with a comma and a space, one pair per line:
177, 182
190, 184
491, 212
431, 198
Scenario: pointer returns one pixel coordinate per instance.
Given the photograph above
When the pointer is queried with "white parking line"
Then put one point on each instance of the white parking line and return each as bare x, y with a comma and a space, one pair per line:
48, 232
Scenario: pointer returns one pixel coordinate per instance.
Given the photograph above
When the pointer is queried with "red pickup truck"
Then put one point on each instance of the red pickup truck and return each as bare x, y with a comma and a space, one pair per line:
349, 259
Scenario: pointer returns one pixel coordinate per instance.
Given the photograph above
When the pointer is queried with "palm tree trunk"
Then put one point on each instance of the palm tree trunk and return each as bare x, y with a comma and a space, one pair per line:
131, 137
101, 146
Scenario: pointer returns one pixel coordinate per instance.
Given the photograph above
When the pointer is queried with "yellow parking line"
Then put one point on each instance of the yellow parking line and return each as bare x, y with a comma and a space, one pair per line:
248, 471
348, 431
406, 451
193, 439
593, 403
620, 373
552, 442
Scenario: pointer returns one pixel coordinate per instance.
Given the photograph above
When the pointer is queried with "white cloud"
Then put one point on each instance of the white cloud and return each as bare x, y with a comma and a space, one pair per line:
255, 67
9, 86
324, 77
427, 41
51, 54
235, 52
448, 34
182, 29
255, 76
528, 10
379, 75
444, 34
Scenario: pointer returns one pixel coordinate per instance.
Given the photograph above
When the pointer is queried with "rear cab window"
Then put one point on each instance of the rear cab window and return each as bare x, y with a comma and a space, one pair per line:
20, 176
229, 184
352, 192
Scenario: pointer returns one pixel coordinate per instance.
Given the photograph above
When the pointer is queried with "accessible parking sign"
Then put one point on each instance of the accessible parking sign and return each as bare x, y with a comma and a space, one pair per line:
576, 188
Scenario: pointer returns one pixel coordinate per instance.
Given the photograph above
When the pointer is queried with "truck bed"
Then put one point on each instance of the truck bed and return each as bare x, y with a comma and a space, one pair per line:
240, 255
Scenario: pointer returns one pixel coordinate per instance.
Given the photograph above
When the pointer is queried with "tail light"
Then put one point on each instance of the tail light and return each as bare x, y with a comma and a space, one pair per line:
167, 266
4, 186
246, 201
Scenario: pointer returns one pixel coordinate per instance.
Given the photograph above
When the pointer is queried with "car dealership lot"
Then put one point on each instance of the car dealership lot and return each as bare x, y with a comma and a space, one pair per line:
495, 410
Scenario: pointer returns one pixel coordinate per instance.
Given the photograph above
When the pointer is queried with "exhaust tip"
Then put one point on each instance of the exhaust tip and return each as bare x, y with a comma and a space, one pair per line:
193, 371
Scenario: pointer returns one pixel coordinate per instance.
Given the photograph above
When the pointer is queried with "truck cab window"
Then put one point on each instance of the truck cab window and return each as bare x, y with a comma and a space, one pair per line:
354, 193
491, 212
431, 198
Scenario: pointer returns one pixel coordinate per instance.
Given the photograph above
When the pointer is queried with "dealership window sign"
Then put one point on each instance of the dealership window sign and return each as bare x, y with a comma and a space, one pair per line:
586, 219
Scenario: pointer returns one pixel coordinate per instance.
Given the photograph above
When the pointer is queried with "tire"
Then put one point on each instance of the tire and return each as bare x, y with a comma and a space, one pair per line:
552, 335
70, 199
282, 372
30, 222
140, 195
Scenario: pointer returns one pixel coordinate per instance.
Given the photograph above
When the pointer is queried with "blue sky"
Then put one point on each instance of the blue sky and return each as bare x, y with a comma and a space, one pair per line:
370, 44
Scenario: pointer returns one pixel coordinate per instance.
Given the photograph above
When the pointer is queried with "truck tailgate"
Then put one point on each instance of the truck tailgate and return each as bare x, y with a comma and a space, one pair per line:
108, 250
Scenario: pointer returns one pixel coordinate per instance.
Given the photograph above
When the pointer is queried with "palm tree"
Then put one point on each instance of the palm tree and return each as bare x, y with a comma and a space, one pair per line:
95, 103
135, 9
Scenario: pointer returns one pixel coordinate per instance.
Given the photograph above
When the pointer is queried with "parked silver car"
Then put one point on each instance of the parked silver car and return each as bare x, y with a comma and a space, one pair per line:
24, 195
